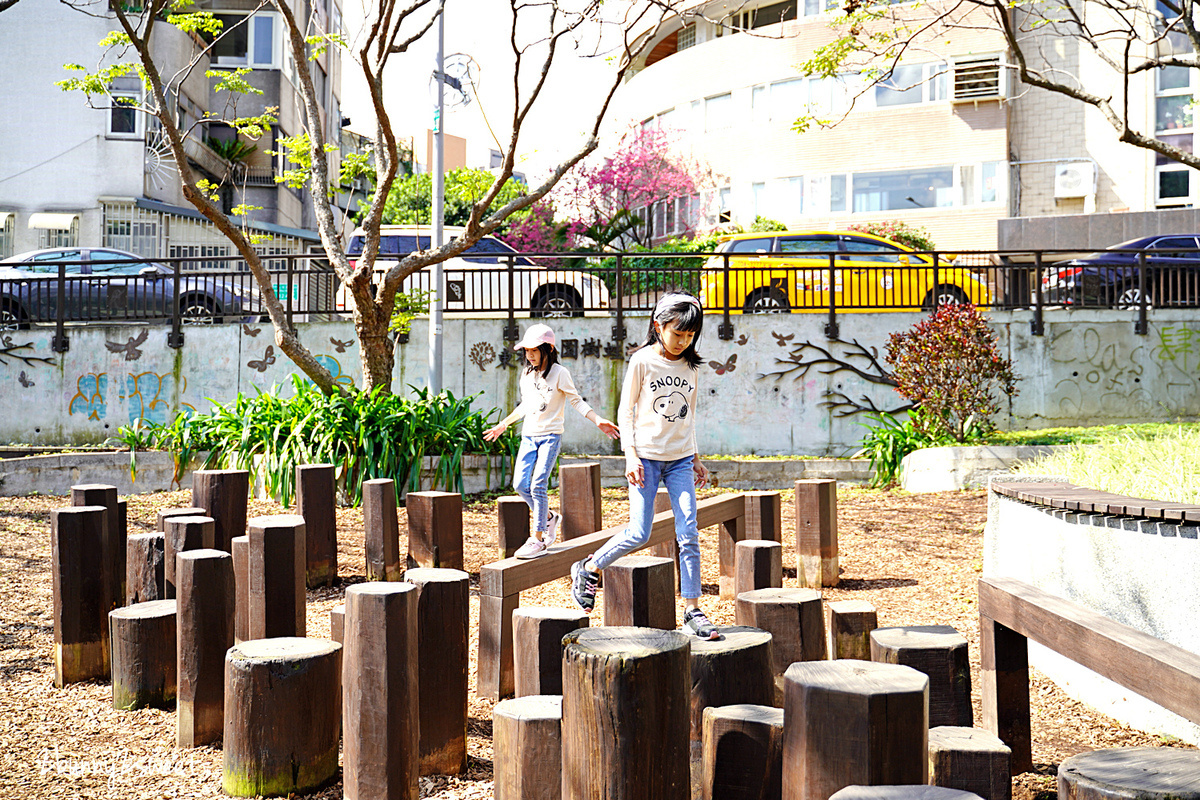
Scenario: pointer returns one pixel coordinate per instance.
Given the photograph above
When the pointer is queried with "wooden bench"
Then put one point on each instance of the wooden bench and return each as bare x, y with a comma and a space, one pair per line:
501, 583
1012, 612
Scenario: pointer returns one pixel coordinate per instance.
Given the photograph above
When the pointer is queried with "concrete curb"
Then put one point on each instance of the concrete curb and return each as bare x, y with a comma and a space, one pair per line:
759, 473
948, 469
56, 474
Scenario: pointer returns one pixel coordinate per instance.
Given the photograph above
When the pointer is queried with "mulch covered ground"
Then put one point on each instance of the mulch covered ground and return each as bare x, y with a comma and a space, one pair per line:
915, 557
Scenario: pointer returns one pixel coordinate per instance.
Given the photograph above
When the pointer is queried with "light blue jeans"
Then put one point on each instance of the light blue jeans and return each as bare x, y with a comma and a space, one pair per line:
531, 474
677, 476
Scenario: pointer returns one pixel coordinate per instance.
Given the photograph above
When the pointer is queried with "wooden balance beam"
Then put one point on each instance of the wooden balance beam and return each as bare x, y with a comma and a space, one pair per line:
1012, 612
501, 582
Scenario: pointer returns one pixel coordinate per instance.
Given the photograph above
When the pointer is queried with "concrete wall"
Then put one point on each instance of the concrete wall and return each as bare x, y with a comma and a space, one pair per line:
779, 387
1121, 573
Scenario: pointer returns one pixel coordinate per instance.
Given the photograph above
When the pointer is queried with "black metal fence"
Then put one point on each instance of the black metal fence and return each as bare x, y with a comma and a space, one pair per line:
183, 292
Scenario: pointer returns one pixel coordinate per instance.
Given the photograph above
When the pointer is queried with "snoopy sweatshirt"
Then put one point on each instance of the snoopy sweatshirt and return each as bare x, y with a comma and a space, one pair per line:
658, 402
544, 399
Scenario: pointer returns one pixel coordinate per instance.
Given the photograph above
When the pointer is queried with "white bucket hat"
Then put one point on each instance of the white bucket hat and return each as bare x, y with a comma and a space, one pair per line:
535, 335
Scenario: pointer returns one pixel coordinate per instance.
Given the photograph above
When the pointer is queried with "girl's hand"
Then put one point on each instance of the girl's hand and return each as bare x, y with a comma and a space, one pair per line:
701, 474
492, 434
634, 472
610, 430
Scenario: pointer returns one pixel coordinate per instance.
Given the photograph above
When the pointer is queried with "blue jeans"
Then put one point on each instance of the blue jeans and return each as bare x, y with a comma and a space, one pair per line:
531, 474
681, 486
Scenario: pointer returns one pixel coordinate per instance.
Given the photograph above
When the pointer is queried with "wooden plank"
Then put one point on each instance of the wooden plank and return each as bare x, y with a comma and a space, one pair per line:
1157, 670
512, 575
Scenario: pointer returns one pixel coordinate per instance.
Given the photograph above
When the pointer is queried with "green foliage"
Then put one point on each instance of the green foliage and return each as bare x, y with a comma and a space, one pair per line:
364, 434
411, 200
232, 81
297, 150
654, 273
889, 441
409, 305
949, 365
200, 22
764, 225
319, 44
231, 149
899, 232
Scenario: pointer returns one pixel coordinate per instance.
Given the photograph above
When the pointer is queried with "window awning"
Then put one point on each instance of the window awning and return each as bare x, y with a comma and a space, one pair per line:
52, 221
5, 216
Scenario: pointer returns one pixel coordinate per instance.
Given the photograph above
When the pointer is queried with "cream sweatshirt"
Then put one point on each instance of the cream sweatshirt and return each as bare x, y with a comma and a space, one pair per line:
657, 415
544, 400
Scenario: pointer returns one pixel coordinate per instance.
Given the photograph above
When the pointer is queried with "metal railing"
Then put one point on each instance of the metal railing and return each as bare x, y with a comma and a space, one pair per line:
213, 290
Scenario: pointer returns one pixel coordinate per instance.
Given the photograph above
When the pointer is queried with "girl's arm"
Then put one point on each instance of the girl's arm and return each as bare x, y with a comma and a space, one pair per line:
566, 385
700, 472
495, 432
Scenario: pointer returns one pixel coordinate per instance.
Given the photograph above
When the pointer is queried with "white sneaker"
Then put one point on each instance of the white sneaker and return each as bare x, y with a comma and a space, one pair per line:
551, 535
532, 548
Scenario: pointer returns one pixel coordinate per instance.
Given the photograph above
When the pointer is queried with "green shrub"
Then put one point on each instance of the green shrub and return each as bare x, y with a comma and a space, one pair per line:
888, 442
949, 365
652, 273
764, 225
364, 434
897, 231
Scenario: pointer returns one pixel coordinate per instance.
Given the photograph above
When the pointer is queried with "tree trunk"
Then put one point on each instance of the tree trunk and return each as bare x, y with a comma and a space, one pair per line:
375, 348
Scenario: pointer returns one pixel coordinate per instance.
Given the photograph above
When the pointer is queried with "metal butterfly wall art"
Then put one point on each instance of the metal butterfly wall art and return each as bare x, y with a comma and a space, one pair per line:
728, 366
267, 360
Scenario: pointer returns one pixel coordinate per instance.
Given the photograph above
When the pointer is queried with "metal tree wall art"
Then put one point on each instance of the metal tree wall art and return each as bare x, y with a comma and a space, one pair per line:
852, 357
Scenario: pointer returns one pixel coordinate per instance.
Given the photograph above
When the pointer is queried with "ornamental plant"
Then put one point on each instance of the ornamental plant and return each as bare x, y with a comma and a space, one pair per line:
949, 365
899, 232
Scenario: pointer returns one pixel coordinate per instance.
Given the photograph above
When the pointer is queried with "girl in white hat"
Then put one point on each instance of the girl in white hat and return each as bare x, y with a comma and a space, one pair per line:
546, 386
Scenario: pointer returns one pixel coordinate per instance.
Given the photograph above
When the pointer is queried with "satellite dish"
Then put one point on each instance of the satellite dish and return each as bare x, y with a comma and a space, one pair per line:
459, 74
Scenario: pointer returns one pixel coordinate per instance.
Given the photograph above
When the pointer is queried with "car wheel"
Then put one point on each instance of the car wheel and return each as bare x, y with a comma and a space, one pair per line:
199, 311
766, 301
1130, 298
12, 318
557, 301
944, 295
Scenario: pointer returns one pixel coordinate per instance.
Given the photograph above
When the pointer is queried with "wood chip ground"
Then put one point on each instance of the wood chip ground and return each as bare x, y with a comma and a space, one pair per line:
915, 557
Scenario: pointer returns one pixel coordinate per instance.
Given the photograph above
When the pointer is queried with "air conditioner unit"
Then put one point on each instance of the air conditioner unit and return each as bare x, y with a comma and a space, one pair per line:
977, 78
1074, 179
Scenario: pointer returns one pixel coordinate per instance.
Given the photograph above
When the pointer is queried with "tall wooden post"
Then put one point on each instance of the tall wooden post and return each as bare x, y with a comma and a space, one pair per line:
80, 594
729, 533
759, 565
241, 585
204, 631
435, 529
538, 633
1004, 675
275, 588
112, 562
579, 499
145, 568
513, 525
940, 652
223, 494
764, 516
816, 533
160, 522
316, 501
638, 591
182, 534
380, 704
443, 655
381, 530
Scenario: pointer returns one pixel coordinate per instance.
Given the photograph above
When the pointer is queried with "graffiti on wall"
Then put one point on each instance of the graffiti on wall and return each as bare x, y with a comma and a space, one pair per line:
1105, 375
838, 357
148, 396
91, 389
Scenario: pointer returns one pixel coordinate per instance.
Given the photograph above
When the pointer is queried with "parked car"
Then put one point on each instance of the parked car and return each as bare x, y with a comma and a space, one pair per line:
1110, 277
477, 280
785, 270
106, 284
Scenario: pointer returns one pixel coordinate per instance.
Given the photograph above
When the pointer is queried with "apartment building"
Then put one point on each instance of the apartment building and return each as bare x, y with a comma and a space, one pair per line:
949, 141
75, 174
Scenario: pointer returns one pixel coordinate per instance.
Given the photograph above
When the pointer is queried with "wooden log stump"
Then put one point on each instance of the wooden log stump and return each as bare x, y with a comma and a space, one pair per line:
380, 704
143, 655
626, 714
816, 533
513, 525
902, 793
223, 494
527, 748
275, 586
940, 652
204, 631
732, 670
381, 530
316, 502
849, 624
183, 534
729, 533
240, 546
795, 621
435, 530
164, 514
112, 559
443, 656
743, 753
764, 516
579, 499
970, 759
145, 568
879, 714
282, 704
1147, 773
668, 549
337, 623
538, 633
639, 592
758, 564
80, 594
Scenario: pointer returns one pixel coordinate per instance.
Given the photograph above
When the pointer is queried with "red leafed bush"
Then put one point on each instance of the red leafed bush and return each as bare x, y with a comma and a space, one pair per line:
950, 366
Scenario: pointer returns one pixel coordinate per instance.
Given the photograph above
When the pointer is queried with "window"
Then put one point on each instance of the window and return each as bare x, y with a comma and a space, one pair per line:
808, 244
248, 41
718, 112
686, 38
42, 263
910, 84
931, 187
107, 262
7, 233
767, 15
59, 237
123, 115
864, 250
764, 245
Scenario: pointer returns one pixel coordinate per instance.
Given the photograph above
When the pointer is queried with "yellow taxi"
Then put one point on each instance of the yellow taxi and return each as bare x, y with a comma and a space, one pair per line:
783, 271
